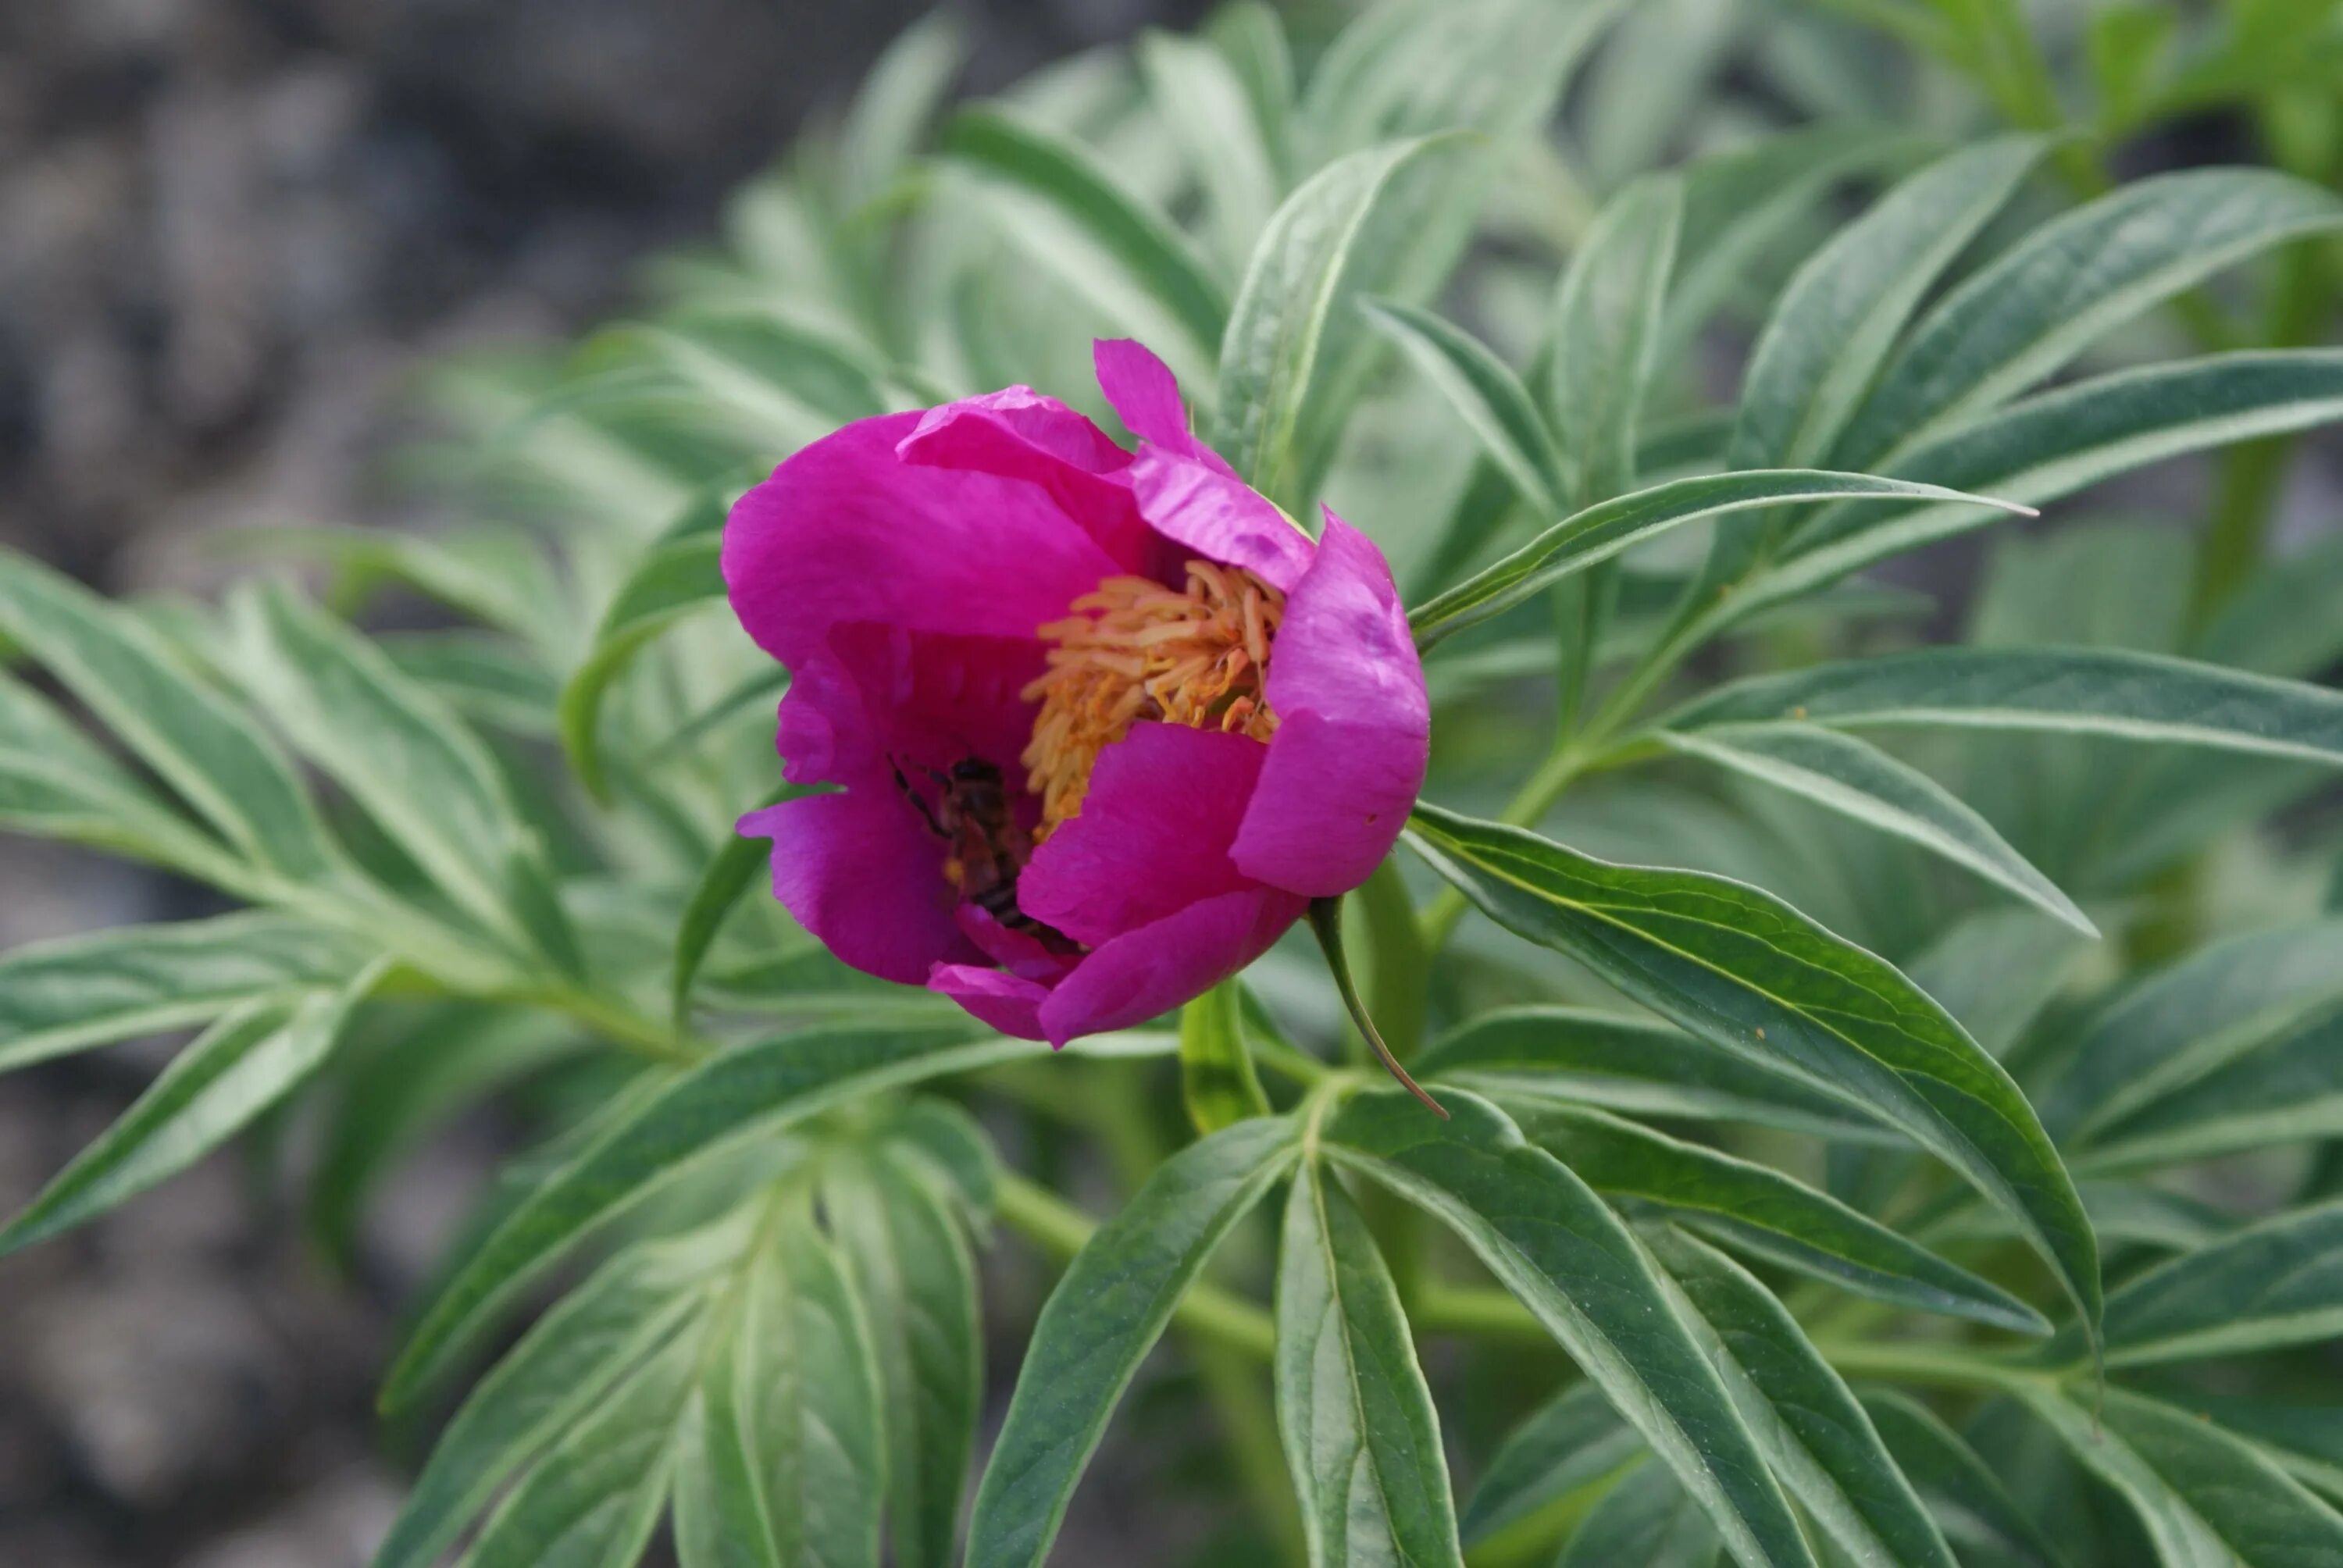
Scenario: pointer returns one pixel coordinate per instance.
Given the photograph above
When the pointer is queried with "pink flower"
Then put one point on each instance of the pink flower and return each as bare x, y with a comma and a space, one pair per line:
1105, 723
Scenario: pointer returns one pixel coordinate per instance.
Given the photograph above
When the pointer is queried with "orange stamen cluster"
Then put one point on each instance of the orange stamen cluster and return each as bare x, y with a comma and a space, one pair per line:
1135, 651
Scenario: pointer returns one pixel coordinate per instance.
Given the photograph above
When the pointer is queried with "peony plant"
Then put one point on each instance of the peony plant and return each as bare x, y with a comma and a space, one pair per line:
1875, 1025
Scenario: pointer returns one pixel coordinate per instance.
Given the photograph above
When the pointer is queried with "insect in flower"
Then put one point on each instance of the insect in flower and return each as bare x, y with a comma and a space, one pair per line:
1105, 722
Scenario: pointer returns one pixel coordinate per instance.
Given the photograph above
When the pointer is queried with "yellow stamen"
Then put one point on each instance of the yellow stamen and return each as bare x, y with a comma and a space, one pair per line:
1135, 651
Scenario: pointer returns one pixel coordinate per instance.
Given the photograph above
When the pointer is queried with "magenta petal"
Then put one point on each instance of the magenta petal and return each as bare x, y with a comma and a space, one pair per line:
858, 872
873, 697
1212, 513
1157, 966
1021, 434
1165, 802
1355, 726
846, 530
1145, 397
1004, 1001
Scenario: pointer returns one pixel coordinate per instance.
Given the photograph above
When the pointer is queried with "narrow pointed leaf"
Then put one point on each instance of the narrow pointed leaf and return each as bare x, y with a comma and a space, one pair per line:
730, 874
1970, 1505
1361, 1435
1100, 1321
896, 104
595, 1500
1858, 780
212, 1090
2069, 691
1204, 104
2283, 1087
677, 578
2203, 1496
911, 1268
204, 748
1217, 1081
2071, 281
558, 1372
748, 1091
1758, 1210
1602, 531
1606, 331
1647, 1520
1290, 348
76, 992
1819, 1440
1571, 1442
2279, 1283
427, 780
2191, 1017
1839, 318
1486, 394
1637, 1065
1124, 224
1558, 1247
55, 783
1749, 973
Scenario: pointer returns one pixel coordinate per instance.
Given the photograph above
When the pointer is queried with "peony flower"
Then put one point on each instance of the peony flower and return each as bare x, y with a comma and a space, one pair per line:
1104, 723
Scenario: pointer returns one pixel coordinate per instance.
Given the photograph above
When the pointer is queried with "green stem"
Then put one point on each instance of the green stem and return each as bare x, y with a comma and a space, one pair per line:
1935, 1364
1061, 1230
1476, 1312
1398, 981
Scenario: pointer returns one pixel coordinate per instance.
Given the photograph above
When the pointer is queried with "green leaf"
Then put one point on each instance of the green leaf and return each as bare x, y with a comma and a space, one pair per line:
56, 784
2016, 321
1205, 105
1361, 1437
488, 679
1839, 318
730, 874
408, 761
1291, 350
675, 579
450, 1057
2285, 1087
2306, 1439
918, 1282
124, 672
1602, 531
2072, 691
1100, 1321
212, 1090
1217, 1081
1646, 1519
500, 576
1606, 331
1859, 780
1760, 1210
1749, 973
2191, 1018
933, 1138
1484, 391
2065, 440
1125, 224
896, 104
2279, 1283
785, 382
787, 1462
1969, 1502
1637, 1065
2203, 1496
561, 1370
750, 1090
595, 1500
1558, 1247
1819, 1440
71, 994
1570, 1443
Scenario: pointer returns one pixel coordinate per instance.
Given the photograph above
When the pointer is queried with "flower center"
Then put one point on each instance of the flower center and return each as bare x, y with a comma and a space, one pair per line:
1136, 650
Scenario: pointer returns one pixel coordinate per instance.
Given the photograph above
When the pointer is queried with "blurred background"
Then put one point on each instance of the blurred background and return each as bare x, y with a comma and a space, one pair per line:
231, 232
